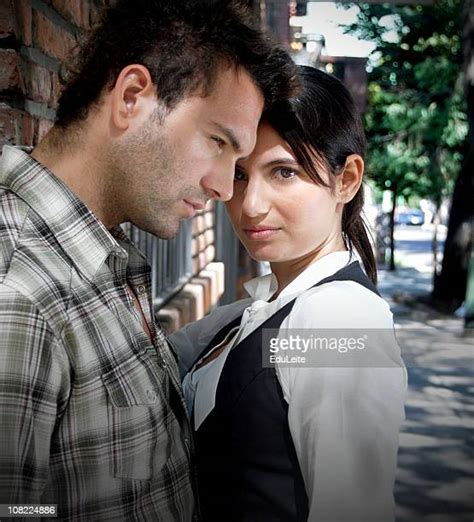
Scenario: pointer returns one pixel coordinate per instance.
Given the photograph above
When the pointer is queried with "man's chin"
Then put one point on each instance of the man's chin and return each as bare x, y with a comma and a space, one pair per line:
160, 231
168, 233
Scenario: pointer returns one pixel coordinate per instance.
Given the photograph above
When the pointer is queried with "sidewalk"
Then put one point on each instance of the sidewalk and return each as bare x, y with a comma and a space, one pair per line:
435, 481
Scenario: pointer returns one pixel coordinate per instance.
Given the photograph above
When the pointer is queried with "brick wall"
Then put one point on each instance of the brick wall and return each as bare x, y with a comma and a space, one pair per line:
36, 36
206, 286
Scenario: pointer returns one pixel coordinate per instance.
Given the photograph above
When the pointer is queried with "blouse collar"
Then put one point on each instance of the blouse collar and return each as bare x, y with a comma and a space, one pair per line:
262, 288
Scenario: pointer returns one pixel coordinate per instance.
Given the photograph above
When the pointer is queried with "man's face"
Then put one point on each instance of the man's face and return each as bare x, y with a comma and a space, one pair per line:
173, 164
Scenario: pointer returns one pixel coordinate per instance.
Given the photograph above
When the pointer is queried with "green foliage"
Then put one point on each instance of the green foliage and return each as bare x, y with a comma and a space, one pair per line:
416, 119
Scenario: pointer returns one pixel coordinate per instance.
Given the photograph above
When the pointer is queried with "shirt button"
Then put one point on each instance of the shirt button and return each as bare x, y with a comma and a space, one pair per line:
151, 395
141, 289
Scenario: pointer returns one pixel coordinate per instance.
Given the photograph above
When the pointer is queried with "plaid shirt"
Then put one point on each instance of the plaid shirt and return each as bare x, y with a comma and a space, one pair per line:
92, 416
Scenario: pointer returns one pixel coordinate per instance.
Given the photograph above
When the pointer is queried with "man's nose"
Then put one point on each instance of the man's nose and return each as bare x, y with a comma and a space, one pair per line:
220, 185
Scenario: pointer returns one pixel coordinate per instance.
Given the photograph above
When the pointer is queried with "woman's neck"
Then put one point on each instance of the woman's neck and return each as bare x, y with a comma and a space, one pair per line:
287, 271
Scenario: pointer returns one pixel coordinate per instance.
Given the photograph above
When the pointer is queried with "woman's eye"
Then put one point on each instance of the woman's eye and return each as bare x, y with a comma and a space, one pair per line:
285, 173
239, 175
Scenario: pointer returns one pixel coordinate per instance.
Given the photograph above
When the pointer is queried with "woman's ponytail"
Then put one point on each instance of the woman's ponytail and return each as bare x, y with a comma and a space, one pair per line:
356, 233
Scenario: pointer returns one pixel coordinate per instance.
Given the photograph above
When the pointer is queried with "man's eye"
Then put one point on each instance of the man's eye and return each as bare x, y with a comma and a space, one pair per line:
220, 142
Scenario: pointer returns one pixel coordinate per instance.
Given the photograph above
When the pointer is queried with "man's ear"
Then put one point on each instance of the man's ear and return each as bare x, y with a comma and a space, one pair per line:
348, 182
133, 96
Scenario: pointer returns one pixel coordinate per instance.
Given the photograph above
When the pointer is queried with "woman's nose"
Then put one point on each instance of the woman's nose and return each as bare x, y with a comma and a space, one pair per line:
256, 201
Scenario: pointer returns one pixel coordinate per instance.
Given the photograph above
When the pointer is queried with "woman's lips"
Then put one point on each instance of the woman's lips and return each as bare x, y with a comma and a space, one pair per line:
260, 232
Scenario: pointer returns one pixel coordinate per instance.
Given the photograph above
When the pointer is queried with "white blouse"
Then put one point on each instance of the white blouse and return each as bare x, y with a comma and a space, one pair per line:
344, 421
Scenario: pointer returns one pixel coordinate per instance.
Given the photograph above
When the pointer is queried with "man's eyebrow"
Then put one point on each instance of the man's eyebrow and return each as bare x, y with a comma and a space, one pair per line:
229, 134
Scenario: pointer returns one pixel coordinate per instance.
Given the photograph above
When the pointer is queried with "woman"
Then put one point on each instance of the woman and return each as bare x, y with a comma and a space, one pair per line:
281, 442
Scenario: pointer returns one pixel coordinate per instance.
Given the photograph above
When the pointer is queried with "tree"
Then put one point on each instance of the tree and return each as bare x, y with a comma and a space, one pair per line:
416, 122
450, 284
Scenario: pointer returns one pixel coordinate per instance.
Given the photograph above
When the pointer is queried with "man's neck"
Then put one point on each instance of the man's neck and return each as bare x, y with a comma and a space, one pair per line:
81, 168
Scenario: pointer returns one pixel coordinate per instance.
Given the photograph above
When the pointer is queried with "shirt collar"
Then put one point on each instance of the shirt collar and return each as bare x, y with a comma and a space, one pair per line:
263, 287
81, 235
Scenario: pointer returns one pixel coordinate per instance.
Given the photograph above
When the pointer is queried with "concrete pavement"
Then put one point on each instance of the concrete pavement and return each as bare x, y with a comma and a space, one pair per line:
435, 480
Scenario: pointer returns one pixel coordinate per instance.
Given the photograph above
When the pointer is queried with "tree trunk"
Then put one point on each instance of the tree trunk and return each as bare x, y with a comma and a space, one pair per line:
391, 265
434, 241
450, 286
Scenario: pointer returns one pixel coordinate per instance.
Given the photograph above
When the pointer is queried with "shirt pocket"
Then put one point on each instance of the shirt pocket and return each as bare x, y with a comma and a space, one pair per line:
138, 418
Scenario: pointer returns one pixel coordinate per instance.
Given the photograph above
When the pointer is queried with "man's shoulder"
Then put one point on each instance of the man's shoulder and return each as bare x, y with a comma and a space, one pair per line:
13, 213
32, 262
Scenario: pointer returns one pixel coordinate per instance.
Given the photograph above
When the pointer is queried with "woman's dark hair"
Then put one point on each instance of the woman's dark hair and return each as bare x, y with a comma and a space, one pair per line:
183, 43
322, 125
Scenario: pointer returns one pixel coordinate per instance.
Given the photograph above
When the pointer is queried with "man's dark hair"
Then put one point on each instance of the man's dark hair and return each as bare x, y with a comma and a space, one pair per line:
183, 43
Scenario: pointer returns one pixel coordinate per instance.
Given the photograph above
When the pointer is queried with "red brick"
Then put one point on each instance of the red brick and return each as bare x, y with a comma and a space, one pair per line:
70, 10
194, 246
209, 236
75, 11
198, 224
7, 19
212, 276
183, 303
219, 268
186, 302
28, 125
56, 90
44, 126
38, 83
11, 121
169, 319
24, 17
209, 219
197, 295
210, 254
195, 265
10, 75
206, 284
201, 241
51, 39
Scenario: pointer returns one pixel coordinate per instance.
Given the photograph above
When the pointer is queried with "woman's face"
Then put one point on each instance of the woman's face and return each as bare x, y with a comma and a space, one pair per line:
278, 212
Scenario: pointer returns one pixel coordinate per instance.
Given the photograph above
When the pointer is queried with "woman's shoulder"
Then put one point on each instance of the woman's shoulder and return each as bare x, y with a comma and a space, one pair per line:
340, 304
343, 308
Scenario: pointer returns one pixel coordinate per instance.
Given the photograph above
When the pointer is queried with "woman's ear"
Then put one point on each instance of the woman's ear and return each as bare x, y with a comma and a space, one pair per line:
348, 182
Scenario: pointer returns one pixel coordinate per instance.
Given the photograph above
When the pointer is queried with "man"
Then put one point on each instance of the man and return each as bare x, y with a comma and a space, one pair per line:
165, 99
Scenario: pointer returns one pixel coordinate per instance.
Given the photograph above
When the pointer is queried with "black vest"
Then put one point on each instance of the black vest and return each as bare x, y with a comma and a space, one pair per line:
246, 460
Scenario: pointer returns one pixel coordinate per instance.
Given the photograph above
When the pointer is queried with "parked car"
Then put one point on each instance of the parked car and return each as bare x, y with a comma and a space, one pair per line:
411, 216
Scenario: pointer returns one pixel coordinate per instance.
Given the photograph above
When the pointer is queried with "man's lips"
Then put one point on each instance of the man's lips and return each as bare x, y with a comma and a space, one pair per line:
198, 205
261, 232
193, 206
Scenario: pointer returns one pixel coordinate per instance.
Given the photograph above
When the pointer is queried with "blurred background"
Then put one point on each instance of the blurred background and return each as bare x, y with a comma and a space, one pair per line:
410, 67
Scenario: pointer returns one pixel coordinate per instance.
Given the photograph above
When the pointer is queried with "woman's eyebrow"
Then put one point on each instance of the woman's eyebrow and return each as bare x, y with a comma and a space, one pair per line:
284, 161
